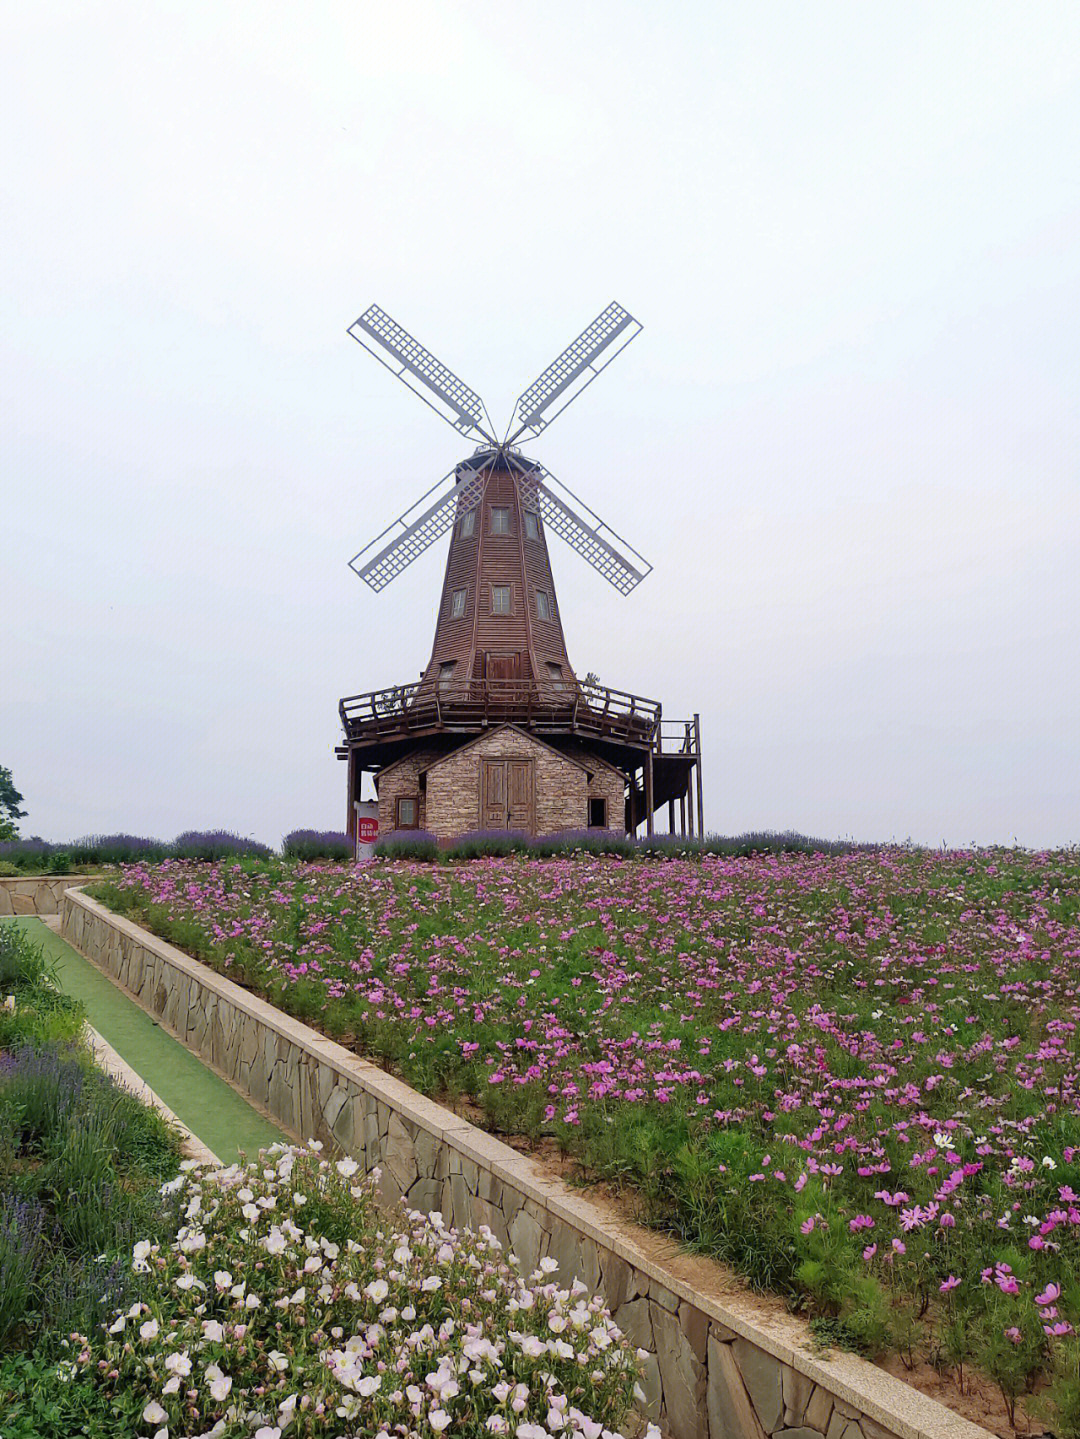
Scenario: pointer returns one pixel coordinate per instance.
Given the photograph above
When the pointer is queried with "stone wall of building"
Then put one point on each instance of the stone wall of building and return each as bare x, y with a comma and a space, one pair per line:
36, 893
607, 783
453, 785
402, 780
720, 1365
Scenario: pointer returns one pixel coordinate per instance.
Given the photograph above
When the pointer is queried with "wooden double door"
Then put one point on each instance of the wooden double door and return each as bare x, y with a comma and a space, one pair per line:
507, 794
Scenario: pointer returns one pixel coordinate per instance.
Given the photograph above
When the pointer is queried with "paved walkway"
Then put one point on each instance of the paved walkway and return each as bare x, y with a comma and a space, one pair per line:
213, 1111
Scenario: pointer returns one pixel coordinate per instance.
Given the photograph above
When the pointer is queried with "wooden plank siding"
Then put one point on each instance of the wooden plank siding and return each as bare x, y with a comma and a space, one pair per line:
478, 562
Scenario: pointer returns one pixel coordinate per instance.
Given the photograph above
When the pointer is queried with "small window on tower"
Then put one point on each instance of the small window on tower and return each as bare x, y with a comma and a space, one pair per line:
500, 520
543, 605
408, 812
555, 675
532, 524
457, 605
446, 674
468, 524
500, 599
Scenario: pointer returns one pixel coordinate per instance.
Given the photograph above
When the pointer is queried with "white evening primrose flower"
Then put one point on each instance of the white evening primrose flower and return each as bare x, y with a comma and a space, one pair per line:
431, 1283
153, 1413
213, 1332
219, 1388
149, 1330
117, 1326
141, 1252
178, 1363
377, 1290
222, 1279
440, 1420
548, 1265
278, 1361
1048, 1163
267, 1431
368, 1385
347, 1168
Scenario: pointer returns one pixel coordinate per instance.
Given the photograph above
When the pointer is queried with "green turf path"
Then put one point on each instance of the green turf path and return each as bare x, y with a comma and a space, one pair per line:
221, 1118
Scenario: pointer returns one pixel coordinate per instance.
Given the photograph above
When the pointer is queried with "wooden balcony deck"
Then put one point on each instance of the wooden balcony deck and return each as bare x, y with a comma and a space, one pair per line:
588, 711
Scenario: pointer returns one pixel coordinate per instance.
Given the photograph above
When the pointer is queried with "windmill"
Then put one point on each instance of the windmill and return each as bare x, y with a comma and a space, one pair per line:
499, 656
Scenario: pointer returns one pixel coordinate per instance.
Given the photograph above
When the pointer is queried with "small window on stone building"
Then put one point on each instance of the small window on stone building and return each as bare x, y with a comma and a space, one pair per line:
500, 520
446, 673
555, 675
468, 524
532, 524
457, 604
408, 812
543, 605
500, 599
597, 812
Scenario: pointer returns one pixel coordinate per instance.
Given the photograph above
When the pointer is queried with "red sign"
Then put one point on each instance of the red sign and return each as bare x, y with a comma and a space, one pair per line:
367, 829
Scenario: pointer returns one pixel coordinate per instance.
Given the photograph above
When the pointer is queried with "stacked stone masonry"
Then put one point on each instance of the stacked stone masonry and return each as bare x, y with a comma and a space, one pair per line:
449, 793
36, 893
718, 1367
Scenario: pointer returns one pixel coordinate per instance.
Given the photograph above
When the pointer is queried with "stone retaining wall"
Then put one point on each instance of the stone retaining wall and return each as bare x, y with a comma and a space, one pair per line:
36, 893
721, 1366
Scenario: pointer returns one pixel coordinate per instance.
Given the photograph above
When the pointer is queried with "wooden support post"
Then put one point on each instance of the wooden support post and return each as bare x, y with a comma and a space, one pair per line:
682, 814
648, 792
689, 802
697, 772
671, 816
350, 816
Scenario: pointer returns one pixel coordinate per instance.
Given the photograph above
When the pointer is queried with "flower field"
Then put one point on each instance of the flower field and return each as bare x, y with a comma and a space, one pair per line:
856, 1078
286, 1304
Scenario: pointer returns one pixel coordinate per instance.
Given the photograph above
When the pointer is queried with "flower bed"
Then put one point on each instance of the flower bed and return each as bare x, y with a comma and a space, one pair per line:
286, 1303
853, 1077
81, 1162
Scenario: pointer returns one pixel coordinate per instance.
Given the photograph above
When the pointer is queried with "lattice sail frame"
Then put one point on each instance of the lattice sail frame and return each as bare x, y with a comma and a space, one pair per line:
574, 370
378, 566
568, 516
559, 385
442, 389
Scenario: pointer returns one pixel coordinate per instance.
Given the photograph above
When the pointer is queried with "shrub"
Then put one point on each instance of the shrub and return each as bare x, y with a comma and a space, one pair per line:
212, 844
309, 844
417, 844
479, 843
114, 849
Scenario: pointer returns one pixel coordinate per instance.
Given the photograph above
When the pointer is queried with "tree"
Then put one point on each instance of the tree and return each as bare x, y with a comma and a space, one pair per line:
10, 800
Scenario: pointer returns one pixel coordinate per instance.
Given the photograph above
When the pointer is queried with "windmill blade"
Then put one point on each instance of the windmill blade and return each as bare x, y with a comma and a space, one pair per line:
426, 376
583, 530
418, 528
574, 370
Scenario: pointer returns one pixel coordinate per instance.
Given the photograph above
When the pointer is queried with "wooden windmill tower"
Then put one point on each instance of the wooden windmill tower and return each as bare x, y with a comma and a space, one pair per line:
499, 732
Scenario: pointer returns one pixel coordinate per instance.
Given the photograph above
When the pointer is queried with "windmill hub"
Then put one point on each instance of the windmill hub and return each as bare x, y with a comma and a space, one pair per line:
499, 732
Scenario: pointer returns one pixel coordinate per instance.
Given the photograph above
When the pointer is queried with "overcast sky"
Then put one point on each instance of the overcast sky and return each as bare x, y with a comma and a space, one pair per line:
847, 438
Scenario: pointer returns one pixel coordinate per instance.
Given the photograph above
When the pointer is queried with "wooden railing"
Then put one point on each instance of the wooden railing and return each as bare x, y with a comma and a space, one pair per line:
583, 709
